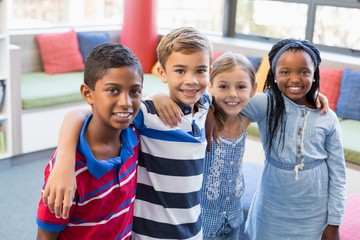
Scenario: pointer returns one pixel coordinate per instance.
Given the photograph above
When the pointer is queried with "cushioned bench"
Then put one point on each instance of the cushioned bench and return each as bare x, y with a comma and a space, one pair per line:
39, 89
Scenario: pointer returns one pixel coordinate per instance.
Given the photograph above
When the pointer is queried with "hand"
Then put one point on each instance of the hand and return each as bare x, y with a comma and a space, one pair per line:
210, 129
331, 232
168, 111
59, 191
322, 102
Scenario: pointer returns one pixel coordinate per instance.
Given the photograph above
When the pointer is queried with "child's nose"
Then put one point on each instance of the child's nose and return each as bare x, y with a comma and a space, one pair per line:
124, 100
191, 79
232, 92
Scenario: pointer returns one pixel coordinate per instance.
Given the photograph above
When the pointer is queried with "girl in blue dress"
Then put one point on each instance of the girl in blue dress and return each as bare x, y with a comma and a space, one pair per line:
232, 84
301, 194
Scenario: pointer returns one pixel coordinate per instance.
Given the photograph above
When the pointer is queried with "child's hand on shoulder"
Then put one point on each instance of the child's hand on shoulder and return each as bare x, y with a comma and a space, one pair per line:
168, 111
322, 103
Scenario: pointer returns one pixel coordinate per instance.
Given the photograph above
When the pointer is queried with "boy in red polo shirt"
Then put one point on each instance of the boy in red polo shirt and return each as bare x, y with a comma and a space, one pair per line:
107, 152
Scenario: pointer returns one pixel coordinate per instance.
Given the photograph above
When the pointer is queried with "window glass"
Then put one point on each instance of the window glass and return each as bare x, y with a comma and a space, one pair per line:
271, 19
337, 27
60, 13
205, 15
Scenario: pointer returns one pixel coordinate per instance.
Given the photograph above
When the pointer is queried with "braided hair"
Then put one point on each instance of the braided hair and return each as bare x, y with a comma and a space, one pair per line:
276, 107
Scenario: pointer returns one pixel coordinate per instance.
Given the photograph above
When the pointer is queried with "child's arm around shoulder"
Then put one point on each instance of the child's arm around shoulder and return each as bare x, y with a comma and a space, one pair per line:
168, 111
60, 187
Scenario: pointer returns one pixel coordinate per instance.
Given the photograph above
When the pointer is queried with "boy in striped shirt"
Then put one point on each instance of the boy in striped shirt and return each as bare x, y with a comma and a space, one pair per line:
107, 152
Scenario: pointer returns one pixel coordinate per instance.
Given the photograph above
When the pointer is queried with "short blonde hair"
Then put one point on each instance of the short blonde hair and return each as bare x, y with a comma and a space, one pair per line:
186, 40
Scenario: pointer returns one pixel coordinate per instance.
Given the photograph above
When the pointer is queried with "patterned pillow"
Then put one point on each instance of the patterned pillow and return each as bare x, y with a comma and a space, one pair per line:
348, 105
330, 83
87, 42
60, 52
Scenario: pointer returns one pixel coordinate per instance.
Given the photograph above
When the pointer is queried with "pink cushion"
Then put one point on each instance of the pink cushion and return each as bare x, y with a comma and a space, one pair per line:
60, 52
330, 83
350, 229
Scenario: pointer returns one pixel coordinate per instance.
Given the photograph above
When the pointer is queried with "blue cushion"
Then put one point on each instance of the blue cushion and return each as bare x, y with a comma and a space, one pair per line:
348, 105
255, 61
87, 42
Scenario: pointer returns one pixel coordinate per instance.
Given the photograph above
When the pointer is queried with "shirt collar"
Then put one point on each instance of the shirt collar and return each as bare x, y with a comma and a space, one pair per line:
99, 168
186, 109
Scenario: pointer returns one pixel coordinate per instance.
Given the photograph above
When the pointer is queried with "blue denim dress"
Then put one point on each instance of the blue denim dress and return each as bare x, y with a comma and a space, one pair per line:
302, 188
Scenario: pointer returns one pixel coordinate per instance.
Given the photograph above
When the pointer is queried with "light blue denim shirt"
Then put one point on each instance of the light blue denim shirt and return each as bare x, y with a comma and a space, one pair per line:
318, 186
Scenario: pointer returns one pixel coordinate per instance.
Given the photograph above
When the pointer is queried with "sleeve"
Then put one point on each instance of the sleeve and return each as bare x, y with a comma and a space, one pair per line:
336, 169
139, 118
257, 107
46, 219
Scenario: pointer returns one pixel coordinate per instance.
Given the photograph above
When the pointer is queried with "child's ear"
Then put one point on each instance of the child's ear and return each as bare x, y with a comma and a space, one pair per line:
253, 90
162, 74
86, 93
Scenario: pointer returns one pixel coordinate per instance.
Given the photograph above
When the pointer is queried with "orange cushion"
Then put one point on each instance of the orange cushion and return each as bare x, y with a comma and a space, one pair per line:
261, 73
154, 68
330, 84
60, 52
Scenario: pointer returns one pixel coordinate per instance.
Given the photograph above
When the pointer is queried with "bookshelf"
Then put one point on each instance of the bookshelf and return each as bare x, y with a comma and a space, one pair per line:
5, 86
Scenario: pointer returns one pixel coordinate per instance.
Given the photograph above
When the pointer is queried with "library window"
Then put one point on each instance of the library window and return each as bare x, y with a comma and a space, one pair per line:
329, 24
29, 14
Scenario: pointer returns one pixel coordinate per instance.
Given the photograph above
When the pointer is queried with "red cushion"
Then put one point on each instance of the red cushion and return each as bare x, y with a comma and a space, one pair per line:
60, 52
350, 229
330, 83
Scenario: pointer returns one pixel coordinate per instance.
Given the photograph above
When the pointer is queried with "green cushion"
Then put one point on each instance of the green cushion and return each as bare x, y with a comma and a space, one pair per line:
351, 140
253, 130
39, 89
152, 84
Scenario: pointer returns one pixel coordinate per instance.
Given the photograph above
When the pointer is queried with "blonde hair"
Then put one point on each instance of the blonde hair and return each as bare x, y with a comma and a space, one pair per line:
186, 40
226, 62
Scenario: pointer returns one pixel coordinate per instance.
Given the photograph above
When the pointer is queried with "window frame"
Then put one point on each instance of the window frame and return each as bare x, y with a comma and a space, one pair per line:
230, 19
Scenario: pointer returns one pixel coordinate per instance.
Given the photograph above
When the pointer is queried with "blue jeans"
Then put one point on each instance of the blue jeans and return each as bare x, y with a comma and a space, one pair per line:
226, 235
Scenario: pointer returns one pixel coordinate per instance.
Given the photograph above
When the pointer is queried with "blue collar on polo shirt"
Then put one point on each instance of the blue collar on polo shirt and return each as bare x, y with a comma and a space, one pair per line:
99, 168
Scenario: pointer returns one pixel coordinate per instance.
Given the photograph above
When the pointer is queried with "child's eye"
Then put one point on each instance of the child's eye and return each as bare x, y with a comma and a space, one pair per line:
284, 72
180, 71
305, 72
222, 86
113, 91
135, 92
201, 71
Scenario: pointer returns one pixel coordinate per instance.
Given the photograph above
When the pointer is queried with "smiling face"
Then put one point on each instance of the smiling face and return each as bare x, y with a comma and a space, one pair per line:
187, 76
294, 75
232, 90
116, 98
